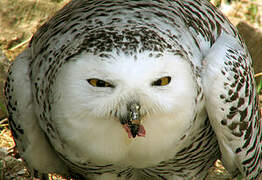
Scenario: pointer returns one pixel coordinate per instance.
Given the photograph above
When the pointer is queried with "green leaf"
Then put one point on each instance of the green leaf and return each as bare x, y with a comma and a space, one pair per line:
259, 86
239, 177
252, 11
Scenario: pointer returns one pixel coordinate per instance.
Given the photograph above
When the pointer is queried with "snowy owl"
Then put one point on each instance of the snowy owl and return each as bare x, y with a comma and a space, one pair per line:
128, 89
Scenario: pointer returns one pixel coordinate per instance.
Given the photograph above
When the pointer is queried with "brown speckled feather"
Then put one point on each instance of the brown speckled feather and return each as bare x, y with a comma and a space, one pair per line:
224, 117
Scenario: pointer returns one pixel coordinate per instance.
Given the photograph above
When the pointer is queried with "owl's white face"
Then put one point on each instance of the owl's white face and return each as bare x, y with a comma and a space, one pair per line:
90, 112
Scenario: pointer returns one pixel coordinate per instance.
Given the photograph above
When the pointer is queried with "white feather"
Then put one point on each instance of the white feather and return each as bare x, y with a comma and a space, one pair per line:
91, 134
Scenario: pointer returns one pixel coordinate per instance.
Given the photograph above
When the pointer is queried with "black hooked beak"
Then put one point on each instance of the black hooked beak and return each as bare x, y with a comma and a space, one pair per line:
133, 118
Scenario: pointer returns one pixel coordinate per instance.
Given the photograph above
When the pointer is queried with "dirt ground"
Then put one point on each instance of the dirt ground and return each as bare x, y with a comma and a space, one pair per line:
19, 19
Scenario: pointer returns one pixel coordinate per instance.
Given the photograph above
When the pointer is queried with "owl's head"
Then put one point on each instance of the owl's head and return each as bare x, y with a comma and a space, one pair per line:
129, 90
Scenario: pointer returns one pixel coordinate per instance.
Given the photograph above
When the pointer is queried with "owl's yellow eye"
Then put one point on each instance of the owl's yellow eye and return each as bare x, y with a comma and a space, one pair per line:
99, 83
162, 81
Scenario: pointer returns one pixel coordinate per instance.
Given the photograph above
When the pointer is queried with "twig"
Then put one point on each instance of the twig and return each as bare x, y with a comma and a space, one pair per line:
258, 74
21, 44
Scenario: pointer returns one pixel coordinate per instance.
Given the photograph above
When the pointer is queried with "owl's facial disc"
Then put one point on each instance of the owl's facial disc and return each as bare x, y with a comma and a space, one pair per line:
132, 121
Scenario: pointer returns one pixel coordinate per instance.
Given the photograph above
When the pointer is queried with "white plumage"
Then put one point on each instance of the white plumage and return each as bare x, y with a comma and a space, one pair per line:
135, 90
86, 109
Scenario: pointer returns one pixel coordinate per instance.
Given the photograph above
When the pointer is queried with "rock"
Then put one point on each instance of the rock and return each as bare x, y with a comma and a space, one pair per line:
253, 38
4, 65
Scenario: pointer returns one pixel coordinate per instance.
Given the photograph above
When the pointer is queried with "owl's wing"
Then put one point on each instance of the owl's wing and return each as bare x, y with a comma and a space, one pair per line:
232, 105
29, 138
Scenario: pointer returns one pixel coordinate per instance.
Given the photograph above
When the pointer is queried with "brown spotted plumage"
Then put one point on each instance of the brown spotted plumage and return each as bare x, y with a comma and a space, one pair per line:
126, 89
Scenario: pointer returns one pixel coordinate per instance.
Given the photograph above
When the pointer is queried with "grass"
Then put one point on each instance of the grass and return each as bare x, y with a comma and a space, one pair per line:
259, 85
2, 107
20, 19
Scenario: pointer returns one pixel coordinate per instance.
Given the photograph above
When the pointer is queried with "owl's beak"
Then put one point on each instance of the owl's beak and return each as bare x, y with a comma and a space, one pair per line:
132, 121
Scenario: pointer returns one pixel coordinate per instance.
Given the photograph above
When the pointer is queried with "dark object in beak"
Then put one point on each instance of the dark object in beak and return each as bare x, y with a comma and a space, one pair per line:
134, 118
132, 122
134, 129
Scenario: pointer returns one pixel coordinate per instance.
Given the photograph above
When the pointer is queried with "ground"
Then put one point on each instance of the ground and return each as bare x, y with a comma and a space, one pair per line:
19, 19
